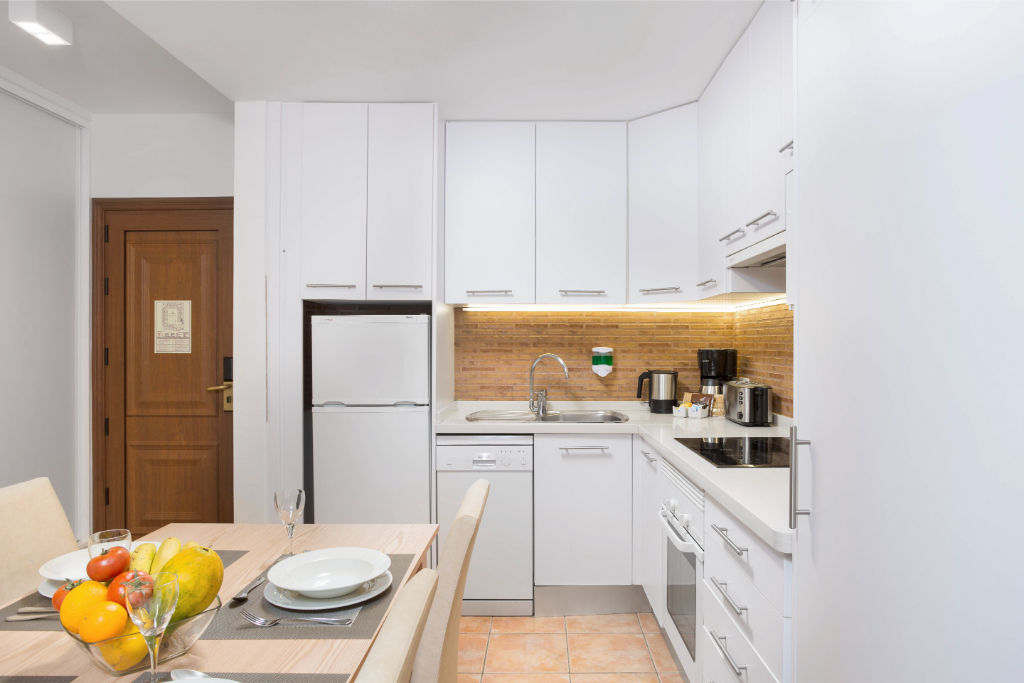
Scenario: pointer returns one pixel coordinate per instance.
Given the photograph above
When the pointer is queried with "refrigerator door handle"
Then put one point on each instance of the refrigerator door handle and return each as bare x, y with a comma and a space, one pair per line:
395, 404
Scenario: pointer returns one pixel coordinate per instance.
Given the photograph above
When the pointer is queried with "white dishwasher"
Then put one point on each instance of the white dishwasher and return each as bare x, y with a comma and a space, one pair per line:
500, 580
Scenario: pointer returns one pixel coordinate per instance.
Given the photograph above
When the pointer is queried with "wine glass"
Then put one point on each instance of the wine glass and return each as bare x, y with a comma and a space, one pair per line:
101, 541
151, 601
289, 503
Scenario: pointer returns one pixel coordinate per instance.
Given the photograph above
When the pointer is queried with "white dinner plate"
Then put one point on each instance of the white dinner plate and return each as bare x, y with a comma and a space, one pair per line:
328, 572
287, 599
70, 565
47, 588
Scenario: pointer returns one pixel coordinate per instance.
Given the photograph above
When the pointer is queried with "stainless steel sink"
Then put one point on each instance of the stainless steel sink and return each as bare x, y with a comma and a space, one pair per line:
585, 416
580, 416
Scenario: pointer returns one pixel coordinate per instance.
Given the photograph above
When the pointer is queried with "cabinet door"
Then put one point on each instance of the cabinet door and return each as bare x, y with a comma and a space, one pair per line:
724, 168
663, 206
646, 527
771, 83
581, 213
332, 190
582, 510
400, 201
489, 212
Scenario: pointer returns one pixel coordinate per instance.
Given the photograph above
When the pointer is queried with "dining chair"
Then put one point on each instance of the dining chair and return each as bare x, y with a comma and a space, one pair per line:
437, 658
34, 530
391, 655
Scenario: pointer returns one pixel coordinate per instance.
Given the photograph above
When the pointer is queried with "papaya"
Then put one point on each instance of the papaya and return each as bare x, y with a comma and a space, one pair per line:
200, 573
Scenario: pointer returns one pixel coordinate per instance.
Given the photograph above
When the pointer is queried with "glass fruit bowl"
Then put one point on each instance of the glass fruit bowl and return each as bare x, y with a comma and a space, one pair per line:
126, 654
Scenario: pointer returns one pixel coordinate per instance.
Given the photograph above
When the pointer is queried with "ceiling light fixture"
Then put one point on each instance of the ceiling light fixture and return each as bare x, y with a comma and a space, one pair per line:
45, 23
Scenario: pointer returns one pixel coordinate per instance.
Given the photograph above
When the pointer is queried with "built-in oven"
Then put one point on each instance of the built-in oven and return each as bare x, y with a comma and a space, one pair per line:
681, 516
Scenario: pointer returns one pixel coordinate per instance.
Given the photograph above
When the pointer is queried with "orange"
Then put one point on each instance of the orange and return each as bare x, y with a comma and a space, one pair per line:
125, 652
78, 602
102, 621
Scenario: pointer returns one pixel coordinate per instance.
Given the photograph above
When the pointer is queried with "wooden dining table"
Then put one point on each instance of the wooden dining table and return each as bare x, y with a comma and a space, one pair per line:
52, 653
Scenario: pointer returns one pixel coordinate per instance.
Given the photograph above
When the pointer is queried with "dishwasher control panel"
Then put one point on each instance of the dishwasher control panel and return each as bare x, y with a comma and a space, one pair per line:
484, 457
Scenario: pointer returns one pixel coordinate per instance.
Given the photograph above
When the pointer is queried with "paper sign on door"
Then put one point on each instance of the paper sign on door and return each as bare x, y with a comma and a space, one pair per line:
172, 327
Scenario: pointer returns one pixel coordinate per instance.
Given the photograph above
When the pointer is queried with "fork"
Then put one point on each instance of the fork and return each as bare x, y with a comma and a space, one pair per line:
263, 621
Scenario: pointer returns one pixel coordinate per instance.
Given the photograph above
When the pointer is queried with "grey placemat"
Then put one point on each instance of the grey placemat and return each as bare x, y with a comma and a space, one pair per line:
251, 677
52, 623
229, 624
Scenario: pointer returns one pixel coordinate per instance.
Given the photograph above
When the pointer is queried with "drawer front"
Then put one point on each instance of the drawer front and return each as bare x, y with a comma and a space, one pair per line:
733, 644
730, 544
750, 611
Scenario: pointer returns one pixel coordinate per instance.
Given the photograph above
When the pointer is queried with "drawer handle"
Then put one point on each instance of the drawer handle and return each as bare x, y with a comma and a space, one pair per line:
583, 448
766, 214
503, 292
788, 145
709, 281
398, 286
582, 292
728, 598
648, 457
730, 234
721, 531
658, 290
720, 644
331, 285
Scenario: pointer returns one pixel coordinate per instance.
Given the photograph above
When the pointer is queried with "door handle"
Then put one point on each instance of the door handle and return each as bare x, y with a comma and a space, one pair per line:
229, 394
220, 387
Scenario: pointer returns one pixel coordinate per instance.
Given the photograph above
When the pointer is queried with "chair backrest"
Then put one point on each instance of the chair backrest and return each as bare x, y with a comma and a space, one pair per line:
391, 655
438, 655
34, 530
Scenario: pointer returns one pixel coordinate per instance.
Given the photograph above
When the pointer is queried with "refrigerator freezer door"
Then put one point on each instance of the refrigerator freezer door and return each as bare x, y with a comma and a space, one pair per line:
371, 359
371, 465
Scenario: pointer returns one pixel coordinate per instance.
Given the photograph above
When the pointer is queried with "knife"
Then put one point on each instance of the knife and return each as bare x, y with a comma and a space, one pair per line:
36, 610
243, 595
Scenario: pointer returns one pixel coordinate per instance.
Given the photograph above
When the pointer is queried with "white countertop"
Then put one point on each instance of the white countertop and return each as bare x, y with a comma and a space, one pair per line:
759, 497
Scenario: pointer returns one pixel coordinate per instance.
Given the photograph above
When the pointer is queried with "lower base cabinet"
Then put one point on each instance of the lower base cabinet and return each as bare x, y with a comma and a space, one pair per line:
582, 510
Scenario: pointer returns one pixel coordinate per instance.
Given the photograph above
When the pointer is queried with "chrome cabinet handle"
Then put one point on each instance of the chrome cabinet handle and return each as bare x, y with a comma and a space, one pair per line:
647, 456
656, 290
709, 281
721, 531
398, 286
720, 644
788, 145
583, 448
728, 598
328, 284
474, 292
728, 235
581, 292
760, 218
794, 510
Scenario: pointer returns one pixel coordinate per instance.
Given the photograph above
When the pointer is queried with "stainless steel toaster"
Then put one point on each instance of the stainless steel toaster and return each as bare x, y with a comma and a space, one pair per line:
748, 403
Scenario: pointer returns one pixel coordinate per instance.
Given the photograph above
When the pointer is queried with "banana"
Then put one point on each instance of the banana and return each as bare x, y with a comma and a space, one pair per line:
142, 557
168, 549
190, 544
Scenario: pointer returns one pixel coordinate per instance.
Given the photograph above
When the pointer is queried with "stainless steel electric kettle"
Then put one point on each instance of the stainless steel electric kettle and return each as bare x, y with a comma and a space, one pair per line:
662, 389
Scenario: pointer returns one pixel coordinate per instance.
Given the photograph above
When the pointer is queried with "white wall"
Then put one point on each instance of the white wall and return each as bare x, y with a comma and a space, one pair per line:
39, 210
163, 155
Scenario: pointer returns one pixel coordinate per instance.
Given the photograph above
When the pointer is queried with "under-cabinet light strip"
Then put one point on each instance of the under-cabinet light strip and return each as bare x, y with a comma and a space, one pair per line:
691, 308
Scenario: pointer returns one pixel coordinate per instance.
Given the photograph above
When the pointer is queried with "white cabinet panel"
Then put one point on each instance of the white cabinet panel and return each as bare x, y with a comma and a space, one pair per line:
582, 510
489, 212
400, 201
331, 190
581, 213
663, 177
646, 525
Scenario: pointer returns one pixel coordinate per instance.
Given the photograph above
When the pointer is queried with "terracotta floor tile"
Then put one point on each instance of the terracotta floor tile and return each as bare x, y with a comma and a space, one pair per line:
472, 648
615, 678
528, 625
468, 678
661, 654
648, 623
603, 623
526, 653
672, 678
526, 678
474, 625
611, 653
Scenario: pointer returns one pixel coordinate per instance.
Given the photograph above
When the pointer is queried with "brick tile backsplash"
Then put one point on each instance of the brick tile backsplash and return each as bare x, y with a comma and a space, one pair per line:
493, 351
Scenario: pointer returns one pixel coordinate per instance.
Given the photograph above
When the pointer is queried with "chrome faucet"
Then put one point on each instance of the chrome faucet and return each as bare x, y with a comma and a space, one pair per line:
539, 399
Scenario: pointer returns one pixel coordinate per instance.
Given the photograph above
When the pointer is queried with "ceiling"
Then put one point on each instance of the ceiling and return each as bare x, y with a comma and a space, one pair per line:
479, 60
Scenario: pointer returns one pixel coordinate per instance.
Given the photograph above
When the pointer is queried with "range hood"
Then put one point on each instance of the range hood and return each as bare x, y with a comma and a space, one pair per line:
769, 252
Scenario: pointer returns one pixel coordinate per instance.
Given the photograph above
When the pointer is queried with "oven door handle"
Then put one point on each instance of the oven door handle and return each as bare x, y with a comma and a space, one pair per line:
680, 539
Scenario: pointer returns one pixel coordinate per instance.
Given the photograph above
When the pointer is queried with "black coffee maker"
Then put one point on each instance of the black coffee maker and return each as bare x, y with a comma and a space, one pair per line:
717, 366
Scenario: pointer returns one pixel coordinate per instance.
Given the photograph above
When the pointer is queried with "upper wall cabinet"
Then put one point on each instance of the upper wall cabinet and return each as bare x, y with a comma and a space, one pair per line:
663, 153
362, 177
581, 213
489, 212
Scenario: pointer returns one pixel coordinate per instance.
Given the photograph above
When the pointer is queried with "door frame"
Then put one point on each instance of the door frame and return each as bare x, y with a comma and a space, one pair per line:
98, 323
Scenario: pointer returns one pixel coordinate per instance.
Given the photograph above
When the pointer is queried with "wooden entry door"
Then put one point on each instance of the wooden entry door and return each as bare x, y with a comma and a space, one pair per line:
163, 331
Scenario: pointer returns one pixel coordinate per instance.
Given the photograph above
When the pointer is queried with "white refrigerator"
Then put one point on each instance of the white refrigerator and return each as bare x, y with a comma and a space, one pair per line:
371, 418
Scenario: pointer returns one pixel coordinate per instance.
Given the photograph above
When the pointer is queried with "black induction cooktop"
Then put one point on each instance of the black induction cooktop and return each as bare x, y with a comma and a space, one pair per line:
741, 451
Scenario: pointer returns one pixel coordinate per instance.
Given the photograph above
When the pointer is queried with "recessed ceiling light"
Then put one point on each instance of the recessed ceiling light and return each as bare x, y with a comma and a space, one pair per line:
45, 23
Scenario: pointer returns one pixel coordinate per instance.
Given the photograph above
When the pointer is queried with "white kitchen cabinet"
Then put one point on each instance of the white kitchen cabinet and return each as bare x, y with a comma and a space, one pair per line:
329, 185
489, 212
400, 201
646, 527
663, 181
581, 213
582, 509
